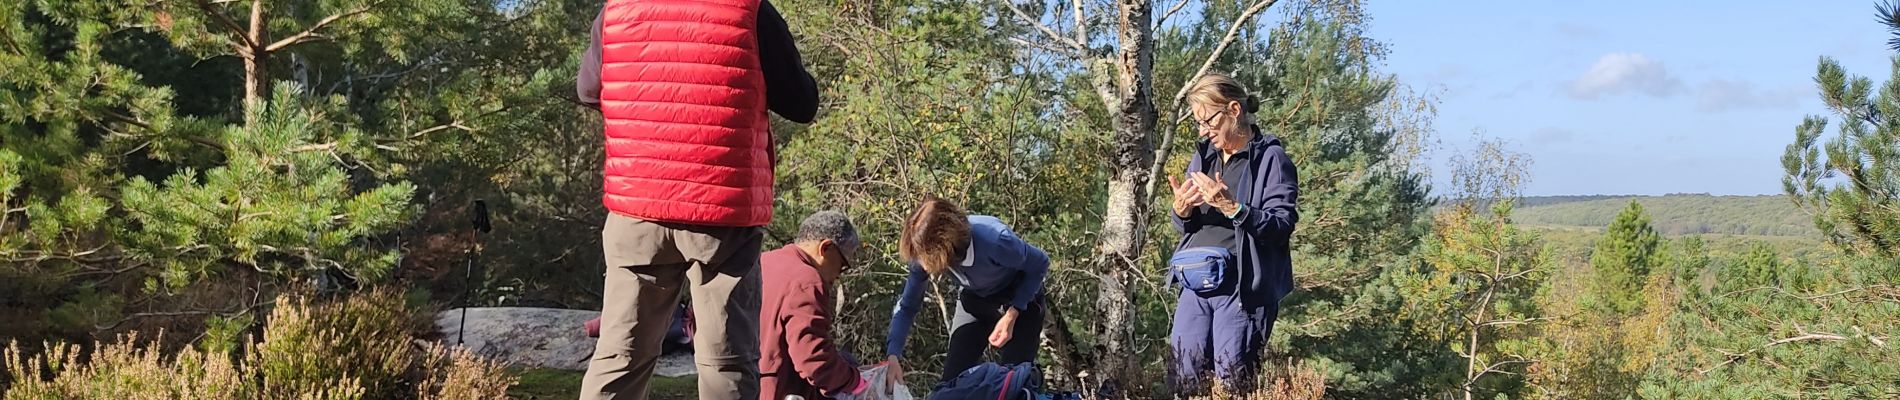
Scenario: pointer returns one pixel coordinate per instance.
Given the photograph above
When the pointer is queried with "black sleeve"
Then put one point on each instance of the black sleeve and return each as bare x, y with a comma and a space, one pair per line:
789, 89
587, 80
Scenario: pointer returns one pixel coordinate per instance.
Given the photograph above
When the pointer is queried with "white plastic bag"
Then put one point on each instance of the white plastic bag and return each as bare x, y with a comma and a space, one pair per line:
881, 389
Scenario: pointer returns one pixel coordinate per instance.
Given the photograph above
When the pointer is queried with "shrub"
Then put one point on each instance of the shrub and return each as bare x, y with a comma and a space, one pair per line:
456, 373
356, 347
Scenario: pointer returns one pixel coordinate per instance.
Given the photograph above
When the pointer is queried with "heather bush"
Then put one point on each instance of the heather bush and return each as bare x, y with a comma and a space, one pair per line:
350, 348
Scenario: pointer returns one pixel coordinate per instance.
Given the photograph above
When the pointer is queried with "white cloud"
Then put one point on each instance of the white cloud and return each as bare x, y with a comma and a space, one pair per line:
1619, 73
1725, 95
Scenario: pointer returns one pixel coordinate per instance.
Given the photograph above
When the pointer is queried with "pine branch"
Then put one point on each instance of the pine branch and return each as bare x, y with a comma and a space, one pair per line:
1888, 13
134, 121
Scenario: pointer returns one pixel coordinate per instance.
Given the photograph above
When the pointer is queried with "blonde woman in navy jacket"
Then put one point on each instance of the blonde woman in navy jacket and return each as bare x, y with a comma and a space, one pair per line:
1241, 194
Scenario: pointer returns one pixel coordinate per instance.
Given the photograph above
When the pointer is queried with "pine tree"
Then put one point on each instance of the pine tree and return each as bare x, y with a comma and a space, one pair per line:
1622, 260
1475, 288
1860, 212
1482, 274
136, 172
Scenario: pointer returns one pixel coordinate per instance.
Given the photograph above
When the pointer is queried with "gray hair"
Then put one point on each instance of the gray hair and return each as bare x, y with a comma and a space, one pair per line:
828, 225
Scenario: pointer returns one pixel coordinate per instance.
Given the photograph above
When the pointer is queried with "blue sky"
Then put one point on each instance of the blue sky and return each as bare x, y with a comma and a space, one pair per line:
1629, 97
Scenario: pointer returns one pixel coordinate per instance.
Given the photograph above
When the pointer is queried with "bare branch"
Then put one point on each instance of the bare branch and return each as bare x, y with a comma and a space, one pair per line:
1807, 337
1878, 341
437, 128
1496, 367
311, 33
1515, 322
1733, 357
431, 60
1081, 24
1044, 28
313, 147
1163, 21
244, 41
1233, 31
383, 143
235, 312
1066, 52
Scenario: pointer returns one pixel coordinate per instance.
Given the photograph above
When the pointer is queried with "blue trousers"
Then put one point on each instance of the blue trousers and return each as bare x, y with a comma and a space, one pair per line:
1216, 333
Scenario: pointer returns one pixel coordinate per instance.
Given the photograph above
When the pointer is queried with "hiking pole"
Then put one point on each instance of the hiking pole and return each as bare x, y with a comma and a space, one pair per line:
479, 218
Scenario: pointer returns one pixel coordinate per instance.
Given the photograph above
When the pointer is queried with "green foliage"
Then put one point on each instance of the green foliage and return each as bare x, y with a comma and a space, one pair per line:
1622, 260
1590, 353
276, 206
1479, 279
1771, 328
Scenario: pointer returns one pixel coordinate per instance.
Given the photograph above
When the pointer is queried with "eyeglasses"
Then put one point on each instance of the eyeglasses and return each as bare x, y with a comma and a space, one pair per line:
1209, 122
835, 247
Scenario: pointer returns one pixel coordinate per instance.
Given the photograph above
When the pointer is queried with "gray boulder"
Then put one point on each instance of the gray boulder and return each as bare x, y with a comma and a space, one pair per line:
537, 338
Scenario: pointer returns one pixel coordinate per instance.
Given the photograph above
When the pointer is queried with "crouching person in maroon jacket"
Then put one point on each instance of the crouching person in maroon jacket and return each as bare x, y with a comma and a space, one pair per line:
797, 354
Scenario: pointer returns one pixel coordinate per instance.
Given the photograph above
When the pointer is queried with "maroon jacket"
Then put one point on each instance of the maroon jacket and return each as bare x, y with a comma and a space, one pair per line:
796, 354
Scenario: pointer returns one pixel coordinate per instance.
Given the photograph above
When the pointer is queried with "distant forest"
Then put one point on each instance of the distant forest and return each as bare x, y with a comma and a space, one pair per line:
1675, 214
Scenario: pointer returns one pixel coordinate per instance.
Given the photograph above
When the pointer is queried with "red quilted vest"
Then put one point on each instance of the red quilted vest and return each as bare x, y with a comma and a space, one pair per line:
684, 102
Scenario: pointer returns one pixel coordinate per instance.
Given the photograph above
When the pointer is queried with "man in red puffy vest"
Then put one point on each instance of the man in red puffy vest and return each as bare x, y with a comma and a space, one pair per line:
684, 86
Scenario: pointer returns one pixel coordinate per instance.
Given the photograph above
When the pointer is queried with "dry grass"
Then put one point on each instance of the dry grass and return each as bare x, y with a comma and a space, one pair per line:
1279, 383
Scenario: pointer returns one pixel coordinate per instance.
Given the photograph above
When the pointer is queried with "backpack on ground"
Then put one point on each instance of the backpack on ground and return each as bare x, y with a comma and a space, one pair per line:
990, 381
